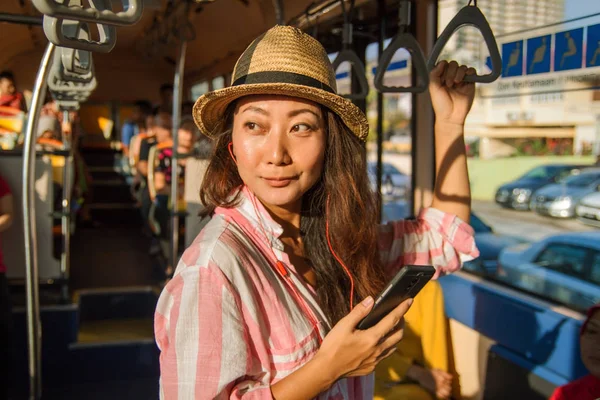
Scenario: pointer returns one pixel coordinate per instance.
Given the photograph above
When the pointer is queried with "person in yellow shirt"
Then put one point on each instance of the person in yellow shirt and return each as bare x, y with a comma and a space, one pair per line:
422, 368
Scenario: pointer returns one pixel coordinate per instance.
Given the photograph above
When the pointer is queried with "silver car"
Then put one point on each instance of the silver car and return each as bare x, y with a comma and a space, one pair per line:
564, 268
560, 199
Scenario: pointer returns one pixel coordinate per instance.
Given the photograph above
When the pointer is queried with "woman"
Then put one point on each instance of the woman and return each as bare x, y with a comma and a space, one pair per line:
588, 387
261, 304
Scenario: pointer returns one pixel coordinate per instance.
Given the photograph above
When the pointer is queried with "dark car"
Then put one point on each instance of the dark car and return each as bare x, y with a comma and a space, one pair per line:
394, 183
517, 194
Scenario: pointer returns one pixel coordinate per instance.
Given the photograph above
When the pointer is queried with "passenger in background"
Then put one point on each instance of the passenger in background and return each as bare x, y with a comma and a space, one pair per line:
162, 176
588, 387
166, 99
162, 181
6, 355
137, 124
9, 96
160, 132
422, 368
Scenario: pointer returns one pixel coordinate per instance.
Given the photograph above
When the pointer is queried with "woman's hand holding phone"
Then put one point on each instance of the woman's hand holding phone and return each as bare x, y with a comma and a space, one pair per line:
348, 351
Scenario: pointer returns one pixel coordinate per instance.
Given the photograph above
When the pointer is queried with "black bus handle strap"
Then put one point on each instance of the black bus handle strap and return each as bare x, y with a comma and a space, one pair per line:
358, 68
403, 40
470, 15
408, 42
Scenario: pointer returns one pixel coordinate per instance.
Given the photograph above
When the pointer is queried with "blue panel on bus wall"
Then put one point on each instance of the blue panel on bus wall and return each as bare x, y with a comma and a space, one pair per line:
544, 337
515, 358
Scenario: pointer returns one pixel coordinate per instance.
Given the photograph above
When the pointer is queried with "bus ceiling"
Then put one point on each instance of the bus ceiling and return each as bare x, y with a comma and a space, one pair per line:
230, 25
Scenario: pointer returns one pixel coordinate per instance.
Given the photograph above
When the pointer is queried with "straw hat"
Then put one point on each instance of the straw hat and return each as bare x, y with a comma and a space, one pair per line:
282, 61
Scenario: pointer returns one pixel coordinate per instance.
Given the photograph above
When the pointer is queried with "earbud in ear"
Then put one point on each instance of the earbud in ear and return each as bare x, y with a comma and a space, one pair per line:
230, 148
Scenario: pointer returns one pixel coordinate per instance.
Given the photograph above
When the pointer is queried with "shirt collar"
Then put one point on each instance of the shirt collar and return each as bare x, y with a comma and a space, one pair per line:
251, 213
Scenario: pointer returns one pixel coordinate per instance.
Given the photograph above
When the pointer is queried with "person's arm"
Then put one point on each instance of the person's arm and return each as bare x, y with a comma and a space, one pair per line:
452, 99
440, 235
6, 212
160, 183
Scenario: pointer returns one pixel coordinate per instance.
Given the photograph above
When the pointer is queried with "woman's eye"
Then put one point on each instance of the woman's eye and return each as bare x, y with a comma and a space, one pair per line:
301, 128
251, 126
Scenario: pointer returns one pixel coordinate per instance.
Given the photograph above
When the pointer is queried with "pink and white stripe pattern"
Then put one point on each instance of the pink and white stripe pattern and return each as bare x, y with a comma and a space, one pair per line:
227, 324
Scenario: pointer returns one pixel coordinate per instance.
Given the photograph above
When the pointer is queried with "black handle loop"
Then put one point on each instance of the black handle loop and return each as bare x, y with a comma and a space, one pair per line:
403, 40
350, 56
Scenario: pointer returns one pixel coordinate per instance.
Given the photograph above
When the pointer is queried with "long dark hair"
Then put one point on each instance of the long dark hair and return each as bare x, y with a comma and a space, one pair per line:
351, 214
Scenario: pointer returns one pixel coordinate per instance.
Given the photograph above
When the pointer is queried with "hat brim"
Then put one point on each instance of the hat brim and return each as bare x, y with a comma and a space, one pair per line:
209, 108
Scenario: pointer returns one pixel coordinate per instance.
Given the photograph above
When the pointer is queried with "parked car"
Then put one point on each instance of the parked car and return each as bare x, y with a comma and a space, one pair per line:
588, 209
490, 244
560, 199
563, 267
393, 182
517, 194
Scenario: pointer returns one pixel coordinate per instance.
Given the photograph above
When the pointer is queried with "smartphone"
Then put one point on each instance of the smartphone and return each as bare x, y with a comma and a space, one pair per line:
407, 283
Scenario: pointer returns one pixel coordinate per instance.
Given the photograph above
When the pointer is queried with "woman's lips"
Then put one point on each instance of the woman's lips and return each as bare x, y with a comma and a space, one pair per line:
279, 182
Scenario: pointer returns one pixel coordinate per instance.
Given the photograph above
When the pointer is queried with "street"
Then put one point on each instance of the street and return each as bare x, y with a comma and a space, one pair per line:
526, 224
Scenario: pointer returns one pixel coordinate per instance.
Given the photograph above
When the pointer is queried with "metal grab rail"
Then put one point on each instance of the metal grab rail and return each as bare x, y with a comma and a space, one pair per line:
177, 96
100, 11
350, 56
403, 40
470, 15
33, 306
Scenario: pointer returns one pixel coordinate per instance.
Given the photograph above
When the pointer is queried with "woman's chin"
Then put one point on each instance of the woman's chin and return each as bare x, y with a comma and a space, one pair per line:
283, 197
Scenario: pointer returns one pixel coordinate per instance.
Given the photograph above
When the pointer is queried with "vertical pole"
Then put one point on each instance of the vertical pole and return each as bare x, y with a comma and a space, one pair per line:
381, 17
279, 17
34, 332
177, 94
65, 257
422, 121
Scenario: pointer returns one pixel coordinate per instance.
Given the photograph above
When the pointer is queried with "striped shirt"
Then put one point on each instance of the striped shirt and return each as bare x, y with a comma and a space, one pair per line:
228, 325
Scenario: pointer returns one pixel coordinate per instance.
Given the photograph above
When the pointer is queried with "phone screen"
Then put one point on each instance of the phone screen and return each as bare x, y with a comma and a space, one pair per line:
407, 283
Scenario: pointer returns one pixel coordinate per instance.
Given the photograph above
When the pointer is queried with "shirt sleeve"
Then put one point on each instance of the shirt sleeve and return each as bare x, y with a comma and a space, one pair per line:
203, 339
433, 238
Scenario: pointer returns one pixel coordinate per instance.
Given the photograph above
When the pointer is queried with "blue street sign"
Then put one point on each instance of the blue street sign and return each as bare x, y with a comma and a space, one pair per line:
568, 54
592, 58
538, 55
512, 59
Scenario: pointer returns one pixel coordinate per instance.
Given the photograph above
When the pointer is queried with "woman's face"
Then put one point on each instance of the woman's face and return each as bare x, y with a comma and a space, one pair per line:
279, 145
590, 345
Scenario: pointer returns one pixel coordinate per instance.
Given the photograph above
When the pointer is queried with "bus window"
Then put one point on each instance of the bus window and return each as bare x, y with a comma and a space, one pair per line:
533, 145
397, 112
199, 89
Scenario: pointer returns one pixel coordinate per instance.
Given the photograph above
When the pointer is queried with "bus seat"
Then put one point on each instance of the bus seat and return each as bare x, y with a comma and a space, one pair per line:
11, 166
195, 170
